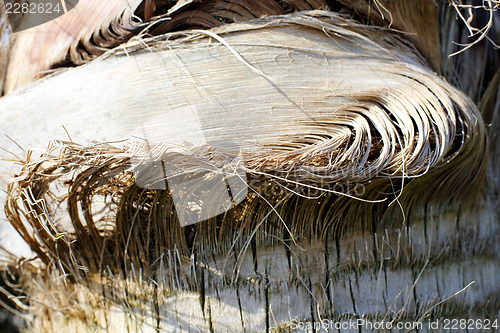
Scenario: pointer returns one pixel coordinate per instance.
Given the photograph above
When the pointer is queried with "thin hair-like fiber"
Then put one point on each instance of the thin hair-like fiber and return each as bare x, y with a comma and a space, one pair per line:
419, 141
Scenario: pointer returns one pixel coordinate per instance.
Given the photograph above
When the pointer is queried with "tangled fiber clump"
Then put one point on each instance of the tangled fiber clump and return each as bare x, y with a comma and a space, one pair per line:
321, 159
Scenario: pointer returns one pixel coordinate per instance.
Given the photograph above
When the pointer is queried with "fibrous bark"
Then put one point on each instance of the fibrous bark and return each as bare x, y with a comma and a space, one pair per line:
328, 103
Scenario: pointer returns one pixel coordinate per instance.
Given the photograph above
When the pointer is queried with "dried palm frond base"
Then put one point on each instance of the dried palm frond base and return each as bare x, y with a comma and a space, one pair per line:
123, 263
352, 147
96, 26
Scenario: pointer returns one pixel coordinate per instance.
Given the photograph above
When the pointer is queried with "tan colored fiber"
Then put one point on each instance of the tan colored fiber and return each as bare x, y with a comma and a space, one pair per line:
378, 119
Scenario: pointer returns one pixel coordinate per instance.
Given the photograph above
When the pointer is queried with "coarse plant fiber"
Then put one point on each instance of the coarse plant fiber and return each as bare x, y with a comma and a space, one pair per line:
385, 122
95, 27
402, 133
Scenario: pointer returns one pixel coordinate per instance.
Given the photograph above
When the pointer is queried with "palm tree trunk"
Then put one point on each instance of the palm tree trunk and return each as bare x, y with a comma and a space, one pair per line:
390, 212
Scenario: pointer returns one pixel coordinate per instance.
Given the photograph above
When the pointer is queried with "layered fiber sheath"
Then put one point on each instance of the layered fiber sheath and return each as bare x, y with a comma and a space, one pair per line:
341, 128
321, 103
